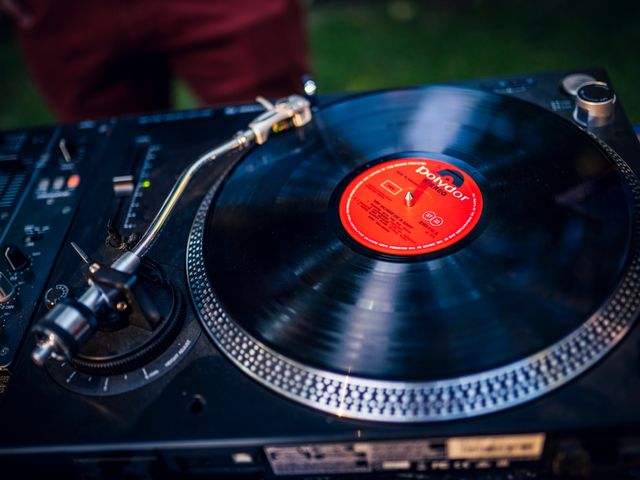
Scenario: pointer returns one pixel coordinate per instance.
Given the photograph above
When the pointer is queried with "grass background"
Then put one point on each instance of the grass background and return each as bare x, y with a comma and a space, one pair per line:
360, 45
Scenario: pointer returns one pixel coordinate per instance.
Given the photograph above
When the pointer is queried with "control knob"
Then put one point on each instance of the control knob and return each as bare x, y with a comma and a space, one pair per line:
16, 258
7, 290
571, 83
595, 104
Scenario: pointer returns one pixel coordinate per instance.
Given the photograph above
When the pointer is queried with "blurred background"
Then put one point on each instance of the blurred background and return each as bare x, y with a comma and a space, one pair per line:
359, 45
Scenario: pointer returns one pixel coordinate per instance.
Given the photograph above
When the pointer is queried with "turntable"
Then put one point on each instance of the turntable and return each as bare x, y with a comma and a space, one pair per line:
428, 282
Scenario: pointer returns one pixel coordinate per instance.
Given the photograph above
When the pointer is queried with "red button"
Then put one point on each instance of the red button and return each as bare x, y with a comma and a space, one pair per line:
73, 181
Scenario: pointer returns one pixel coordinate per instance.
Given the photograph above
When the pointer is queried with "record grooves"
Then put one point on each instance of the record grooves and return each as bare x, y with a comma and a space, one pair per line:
514, 301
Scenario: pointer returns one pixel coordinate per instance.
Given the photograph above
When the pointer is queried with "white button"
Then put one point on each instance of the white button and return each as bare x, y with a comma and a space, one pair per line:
242, 457
43, 184
58, 183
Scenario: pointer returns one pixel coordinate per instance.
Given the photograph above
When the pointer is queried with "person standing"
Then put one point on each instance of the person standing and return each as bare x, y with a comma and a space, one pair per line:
98, 58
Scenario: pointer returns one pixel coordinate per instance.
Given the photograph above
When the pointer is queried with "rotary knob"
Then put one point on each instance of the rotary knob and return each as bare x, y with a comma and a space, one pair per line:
595, 104
571, 83
16, 258
7, 290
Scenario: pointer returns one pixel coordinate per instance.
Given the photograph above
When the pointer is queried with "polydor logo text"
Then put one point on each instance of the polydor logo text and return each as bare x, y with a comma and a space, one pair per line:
444, 185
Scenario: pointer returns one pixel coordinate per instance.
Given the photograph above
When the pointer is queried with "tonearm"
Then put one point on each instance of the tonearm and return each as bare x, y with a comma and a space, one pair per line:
113, 287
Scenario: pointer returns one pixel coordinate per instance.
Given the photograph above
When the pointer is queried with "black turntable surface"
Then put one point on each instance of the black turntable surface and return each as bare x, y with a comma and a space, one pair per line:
545, 250
440, 267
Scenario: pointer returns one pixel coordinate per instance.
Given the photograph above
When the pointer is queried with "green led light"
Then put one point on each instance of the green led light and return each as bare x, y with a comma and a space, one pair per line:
146, 184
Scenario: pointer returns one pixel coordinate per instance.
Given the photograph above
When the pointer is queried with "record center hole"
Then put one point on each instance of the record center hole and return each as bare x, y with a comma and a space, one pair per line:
196, 405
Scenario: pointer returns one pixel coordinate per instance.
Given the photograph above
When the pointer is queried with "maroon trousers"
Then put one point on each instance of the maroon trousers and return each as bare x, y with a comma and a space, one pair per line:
96, 58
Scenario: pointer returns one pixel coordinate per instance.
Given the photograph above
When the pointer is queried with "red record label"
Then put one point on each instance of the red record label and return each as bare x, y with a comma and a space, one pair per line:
410, 206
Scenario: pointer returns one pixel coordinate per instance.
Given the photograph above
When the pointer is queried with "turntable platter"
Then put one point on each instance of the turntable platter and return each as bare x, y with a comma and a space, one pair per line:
418, 255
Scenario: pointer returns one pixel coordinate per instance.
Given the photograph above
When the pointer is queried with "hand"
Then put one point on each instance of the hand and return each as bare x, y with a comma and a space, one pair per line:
15, 10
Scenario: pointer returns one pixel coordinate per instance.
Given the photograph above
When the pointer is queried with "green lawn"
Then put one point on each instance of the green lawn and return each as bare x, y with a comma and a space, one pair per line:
365, 45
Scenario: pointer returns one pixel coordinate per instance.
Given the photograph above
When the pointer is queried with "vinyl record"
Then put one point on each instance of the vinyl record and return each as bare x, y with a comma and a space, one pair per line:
424, 235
